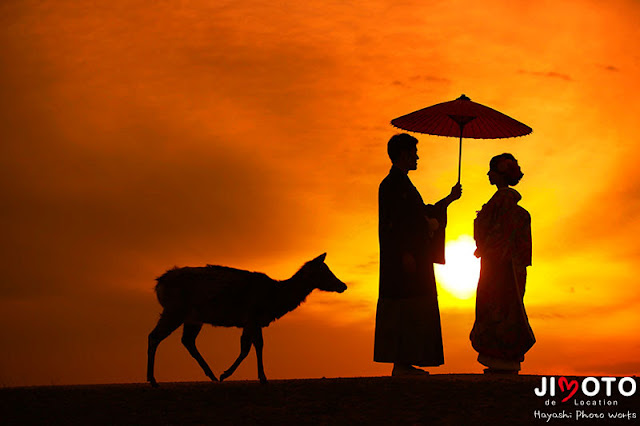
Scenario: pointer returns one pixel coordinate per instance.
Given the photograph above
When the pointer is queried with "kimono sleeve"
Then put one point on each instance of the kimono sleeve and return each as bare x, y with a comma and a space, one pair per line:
522, 246
437, 211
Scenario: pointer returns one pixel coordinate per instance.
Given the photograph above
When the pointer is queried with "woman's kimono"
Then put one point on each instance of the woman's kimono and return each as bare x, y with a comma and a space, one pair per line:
501, 333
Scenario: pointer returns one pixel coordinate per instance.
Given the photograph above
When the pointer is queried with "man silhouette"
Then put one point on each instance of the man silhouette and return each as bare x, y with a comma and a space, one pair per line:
411, 233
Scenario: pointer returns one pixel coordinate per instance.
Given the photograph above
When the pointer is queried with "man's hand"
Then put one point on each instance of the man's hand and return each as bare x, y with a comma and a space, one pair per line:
456, 193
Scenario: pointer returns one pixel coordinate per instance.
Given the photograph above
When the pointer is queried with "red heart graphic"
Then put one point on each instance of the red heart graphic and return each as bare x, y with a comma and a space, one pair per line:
563, 382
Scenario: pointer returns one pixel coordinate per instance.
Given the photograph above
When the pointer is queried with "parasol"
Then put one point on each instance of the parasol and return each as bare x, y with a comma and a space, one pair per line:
462, 118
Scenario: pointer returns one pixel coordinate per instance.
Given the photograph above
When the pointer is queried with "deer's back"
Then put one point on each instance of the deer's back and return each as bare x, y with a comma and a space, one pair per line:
215, 294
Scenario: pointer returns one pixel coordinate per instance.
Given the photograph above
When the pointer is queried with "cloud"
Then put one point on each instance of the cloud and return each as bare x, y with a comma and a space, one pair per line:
549, 74
422, 79
606, 222
610, 68
430, 78
368, 266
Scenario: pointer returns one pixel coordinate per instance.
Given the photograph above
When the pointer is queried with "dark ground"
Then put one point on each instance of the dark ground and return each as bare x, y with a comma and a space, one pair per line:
446, 399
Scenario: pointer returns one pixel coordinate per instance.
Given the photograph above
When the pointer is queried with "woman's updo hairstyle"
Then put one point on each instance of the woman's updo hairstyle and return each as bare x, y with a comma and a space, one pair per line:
507, 165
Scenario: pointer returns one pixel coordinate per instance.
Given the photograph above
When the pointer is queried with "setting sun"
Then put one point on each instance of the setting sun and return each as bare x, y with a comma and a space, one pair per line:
459, 275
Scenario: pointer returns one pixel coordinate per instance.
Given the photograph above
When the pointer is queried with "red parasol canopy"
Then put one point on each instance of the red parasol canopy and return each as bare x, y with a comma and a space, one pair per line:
462, 118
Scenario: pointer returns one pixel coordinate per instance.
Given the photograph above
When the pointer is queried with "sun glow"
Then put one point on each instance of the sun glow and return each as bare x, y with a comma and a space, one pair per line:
459, 276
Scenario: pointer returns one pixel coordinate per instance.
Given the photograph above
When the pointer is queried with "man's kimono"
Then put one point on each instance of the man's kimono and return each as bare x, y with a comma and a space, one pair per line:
408, 327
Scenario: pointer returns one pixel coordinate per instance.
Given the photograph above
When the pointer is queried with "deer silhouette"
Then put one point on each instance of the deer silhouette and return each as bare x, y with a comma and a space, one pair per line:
229, 297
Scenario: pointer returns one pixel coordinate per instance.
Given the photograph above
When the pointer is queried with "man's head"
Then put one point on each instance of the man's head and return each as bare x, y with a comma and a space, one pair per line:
403, 151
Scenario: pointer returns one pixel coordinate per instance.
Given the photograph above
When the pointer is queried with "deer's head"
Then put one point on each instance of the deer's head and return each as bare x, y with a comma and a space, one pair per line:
319, 274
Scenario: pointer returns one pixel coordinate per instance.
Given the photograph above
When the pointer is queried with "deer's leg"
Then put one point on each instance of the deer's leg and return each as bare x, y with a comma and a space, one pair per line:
189, 334
245, 346
167, 324
258, 343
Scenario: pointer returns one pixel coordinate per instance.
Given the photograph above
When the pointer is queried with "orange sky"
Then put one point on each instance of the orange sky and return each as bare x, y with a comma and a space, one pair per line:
253, 134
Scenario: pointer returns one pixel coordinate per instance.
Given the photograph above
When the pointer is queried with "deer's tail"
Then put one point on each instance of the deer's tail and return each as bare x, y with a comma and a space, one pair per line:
170, 290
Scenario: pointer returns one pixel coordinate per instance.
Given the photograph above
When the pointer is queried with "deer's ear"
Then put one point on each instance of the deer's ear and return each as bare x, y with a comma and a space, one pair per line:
320, 258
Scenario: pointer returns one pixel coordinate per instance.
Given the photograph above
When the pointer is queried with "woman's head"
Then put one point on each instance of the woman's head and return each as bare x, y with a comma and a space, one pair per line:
504, 169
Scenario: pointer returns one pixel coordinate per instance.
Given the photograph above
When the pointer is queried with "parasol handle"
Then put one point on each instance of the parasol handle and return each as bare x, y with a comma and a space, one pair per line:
461, 124
462, 121
460, 155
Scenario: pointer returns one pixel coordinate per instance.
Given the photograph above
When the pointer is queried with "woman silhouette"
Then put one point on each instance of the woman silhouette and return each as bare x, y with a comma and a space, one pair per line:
501, 333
